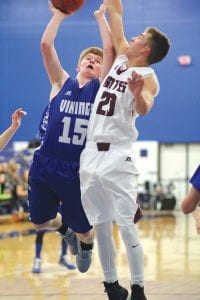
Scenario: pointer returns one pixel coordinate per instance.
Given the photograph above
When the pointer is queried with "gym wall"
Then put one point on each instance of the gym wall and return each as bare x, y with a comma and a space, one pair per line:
24, 83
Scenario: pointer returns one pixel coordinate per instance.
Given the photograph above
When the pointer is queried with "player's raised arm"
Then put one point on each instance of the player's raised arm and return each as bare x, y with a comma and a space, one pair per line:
56, 74
105, 32
6, 136
115, 11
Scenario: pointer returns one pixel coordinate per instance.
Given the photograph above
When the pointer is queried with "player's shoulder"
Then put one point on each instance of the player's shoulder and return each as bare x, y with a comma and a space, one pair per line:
121, 58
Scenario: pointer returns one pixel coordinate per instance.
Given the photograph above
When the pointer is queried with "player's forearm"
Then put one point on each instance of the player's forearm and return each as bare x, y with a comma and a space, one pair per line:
114, 5
6, 136
51, 30
108, 48
105, 32
142, 105
50, 58
114, 8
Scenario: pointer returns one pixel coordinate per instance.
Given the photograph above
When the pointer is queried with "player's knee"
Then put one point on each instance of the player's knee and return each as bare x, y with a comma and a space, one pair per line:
129, 235
40, 226
87, 237
37, 227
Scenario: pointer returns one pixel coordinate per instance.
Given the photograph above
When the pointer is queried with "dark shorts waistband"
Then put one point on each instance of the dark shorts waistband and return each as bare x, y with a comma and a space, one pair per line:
108, 146
103, 146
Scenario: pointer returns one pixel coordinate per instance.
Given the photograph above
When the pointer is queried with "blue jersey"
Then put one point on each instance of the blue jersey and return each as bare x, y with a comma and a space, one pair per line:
54, 172
64, 122
43, 123
195, 180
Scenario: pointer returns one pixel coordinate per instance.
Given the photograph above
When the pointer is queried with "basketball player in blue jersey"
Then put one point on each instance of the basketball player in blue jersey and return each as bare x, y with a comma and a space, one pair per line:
108, 167
54, 173
6, 136
191, 202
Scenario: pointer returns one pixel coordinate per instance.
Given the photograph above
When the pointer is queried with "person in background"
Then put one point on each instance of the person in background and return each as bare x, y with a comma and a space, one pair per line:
64, 259
191, 202
22, 197
6, 136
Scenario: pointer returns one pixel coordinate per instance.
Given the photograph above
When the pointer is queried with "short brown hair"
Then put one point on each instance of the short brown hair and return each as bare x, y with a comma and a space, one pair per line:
159, 44
93, 50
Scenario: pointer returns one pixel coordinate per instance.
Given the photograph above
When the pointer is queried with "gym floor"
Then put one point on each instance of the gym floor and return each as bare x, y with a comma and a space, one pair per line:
172, 259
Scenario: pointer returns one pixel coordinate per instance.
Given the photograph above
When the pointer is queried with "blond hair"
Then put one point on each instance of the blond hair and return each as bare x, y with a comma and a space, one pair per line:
93, 50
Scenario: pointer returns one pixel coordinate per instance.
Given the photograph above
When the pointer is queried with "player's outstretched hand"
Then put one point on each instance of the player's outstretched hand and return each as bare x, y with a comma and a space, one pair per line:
16, 117
135, 83
101, 11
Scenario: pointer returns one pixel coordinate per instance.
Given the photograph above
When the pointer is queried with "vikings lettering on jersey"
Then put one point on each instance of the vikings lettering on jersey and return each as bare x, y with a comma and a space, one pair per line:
64, 123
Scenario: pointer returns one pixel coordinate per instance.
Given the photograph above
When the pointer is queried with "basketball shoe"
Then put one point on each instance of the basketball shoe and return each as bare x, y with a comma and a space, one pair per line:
83, 258
137, 292
37, 265
71, 239
115, 291
64, 261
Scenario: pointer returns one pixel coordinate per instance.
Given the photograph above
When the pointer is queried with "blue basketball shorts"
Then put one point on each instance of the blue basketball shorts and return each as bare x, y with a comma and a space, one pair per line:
52, 183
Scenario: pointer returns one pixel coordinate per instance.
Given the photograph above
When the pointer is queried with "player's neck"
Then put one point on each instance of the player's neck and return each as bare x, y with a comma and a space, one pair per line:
137, 62
82, 80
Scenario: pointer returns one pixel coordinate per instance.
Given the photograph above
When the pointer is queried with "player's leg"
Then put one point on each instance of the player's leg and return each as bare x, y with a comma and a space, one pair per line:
126, 209
64, 259
136, 260
38, 249
74, 215
106, 250
42, 206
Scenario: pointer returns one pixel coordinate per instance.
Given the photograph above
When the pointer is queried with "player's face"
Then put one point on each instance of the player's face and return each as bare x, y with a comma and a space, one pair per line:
139, 43
91, 65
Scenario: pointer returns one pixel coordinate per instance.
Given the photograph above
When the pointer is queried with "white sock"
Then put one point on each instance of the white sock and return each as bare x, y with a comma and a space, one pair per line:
134, 252
106, 249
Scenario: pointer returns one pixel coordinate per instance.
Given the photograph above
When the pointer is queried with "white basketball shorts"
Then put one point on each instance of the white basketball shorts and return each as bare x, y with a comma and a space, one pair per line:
109, 180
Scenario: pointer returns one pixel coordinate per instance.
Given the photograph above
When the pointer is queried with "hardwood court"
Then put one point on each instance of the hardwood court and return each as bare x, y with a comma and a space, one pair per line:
172, 260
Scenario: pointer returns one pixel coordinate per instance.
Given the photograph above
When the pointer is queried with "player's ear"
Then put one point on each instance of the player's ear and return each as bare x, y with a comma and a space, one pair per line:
146, 50
78, 68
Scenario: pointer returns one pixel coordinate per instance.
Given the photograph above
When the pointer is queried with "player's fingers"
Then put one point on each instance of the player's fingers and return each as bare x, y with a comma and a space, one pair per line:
50, 4
23, 113
102, 8
133, 75
19, 111
96, 13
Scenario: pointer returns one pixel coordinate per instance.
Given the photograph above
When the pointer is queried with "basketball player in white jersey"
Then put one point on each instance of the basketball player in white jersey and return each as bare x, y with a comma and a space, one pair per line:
108, 171
6, 136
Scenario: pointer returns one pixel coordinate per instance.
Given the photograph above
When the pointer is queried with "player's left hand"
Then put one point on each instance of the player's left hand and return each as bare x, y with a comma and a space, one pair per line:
101, 11
135, 83
16, 117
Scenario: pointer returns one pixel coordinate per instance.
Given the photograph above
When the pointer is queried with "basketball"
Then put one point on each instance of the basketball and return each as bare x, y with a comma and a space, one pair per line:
68, 6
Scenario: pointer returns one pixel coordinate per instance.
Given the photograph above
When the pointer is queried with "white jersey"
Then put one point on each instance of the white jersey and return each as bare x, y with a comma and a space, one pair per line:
113, 115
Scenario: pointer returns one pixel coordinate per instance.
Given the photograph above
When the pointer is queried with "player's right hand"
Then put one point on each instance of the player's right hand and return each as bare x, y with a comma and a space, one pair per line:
55, 10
